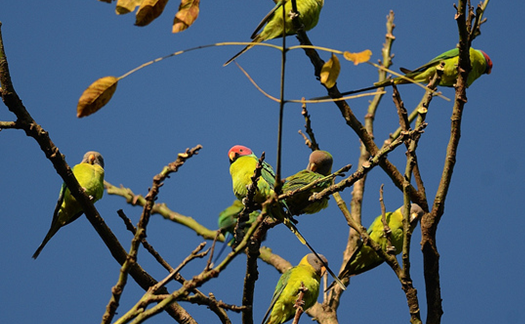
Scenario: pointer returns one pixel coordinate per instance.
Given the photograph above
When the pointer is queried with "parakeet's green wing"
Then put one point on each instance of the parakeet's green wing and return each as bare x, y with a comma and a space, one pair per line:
266, 19
281, 284
59, 202
444, 56
302, 179
227, 217
268, 174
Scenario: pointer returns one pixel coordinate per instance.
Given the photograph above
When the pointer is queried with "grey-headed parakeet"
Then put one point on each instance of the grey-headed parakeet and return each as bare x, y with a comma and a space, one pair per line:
308, 272
319, 166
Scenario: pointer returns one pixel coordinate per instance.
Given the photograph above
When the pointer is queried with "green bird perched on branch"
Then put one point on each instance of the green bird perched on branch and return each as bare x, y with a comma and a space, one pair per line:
243, 163
308, 9
479, 60
227, 221
90, 175
364, 257
319, 166
308, 273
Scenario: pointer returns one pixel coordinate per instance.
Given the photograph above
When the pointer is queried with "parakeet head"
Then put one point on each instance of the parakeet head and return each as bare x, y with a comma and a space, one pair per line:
93, 158
415, 213
320, 162
488, 61
313, 261
238, 150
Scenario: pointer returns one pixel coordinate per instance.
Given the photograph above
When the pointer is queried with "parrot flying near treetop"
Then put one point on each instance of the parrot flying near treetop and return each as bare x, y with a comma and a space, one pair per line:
309, 10
242, 166
90, 175
319, 166
479, 60
308, 272
228, 220
364, 257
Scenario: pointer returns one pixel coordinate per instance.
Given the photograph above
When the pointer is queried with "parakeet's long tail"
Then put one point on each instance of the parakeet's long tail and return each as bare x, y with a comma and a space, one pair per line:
352, 258
301, 238
385, 83
257, 39
227, 239
49, 235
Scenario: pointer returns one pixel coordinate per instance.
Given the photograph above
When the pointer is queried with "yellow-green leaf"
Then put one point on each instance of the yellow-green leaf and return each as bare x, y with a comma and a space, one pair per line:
126, 6
148, 11
360, 57
96, 96
330, 71
186, 16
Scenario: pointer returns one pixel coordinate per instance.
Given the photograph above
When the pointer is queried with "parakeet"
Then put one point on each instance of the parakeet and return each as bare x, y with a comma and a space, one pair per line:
319, 166
242, 166
90, 175
309, 10
365, 258
227, 221
479, 60
308, 272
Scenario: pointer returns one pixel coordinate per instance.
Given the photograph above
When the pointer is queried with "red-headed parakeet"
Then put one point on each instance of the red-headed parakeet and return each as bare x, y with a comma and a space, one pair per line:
308, 272
242, 166
319, 166
479, 60
90, 175
309, 10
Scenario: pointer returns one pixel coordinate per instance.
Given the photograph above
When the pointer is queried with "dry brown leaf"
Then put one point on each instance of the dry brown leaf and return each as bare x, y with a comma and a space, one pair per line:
126, 6
330, 71
96, 96
148, 11
360, 57
186, 16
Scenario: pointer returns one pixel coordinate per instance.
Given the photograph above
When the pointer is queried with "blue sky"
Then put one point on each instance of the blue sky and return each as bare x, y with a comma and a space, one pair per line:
56, 49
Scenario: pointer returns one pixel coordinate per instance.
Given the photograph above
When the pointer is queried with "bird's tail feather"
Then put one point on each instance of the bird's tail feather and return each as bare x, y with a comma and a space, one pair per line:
301, 238
375, 86
257, 39
49, 235
227, 239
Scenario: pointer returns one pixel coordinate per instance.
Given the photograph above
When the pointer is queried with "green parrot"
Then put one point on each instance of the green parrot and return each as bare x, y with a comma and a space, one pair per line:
90, 175
242, 166
479, 60
228, 220
309, 10
365, 258
308, 272
319, 166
